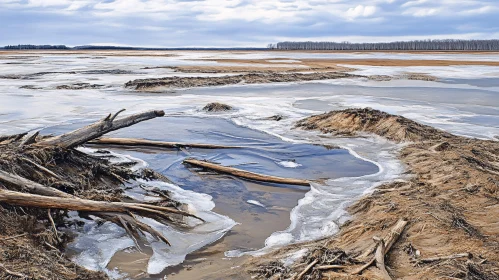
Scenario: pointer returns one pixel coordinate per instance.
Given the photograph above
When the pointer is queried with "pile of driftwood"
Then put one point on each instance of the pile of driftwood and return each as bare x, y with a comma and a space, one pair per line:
40, 173
37, 153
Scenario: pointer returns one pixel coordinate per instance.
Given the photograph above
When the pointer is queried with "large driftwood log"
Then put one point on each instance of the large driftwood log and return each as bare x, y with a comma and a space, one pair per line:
389, 240
156, 144
97, 129
78, 204
246, 174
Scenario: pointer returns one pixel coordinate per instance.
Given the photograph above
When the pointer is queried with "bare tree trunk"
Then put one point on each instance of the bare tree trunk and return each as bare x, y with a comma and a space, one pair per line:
97, 129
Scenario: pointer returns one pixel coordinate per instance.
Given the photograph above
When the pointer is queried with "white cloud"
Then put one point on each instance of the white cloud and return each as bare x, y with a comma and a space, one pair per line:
424, 12
361, 11
241, 22
414, 3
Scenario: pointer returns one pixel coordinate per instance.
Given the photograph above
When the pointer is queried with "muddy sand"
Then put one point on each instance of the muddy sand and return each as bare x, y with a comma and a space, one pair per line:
451, 206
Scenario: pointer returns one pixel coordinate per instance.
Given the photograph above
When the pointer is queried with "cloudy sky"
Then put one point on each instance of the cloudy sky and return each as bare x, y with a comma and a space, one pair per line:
175, 23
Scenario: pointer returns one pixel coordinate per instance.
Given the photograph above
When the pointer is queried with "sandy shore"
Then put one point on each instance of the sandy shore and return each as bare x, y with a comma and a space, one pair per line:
451, 205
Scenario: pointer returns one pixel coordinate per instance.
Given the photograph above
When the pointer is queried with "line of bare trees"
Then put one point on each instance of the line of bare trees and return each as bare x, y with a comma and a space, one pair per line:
35, 47
436, 45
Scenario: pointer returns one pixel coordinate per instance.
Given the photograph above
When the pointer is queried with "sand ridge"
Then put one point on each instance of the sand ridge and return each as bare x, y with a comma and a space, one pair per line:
451, 205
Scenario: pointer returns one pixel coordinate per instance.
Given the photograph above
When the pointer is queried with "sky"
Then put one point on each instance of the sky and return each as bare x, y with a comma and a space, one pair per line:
242, 23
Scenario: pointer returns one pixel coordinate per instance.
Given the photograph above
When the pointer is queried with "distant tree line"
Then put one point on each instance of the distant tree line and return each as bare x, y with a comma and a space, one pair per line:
90, 47
420, 45
35, 47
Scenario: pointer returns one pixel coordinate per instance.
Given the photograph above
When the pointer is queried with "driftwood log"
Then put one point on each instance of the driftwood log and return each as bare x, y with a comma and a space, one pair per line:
78, 204
246, 174
156, 144
388, 241
97, 129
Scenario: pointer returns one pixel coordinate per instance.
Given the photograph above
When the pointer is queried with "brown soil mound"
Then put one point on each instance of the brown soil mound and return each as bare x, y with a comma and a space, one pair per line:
353, 121
78, 86
217, 107
253, 78
451, 205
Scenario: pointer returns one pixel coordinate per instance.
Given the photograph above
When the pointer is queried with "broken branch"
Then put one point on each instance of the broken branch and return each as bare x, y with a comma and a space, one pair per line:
436, 259
30, 139
41, 168
328, 267
380, 258
300, 276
